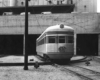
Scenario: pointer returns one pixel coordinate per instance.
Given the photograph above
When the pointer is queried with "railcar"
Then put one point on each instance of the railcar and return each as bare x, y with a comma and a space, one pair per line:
56, 43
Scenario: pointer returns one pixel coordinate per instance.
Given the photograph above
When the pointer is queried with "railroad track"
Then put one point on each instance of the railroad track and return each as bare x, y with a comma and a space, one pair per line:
89, 70
82, 73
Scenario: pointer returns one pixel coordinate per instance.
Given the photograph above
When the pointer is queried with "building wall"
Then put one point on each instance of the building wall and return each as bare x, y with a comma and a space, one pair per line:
4, 3
41, 2
98, 6
85, 5
80, 5
82, 23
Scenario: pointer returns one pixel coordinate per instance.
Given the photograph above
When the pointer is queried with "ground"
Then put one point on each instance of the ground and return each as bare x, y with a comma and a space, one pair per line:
44, 72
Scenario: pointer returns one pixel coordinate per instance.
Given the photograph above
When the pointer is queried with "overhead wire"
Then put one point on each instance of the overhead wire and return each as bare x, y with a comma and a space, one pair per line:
74, 16
73, 23
82, 26
37, 20
66, 10
49, 10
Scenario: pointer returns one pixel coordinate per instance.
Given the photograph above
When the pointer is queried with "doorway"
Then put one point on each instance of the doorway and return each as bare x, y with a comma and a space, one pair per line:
87, 44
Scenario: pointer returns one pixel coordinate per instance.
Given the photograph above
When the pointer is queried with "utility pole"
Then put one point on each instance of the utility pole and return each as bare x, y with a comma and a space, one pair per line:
26, 37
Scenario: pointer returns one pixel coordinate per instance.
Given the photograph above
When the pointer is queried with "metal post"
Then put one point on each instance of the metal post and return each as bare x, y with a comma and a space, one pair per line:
26, 37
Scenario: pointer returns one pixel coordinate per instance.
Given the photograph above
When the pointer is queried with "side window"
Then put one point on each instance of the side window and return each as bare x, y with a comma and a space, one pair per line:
51, 39
61, 39
70, 39
41, 42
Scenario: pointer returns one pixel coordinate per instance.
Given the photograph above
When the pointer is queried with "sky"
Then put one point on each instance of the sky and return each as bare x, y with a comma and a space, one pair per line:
98, 6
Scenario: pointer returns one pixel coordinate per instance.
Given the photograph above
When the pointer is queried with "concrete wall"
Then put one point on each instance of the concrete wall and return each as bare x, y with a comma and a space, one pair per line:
82, 23
85, 5
4, 3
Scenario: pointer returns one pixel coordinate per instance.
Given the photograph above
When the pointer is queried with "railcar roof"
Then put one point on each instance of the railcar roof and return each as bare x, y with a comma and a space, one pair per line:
57, 28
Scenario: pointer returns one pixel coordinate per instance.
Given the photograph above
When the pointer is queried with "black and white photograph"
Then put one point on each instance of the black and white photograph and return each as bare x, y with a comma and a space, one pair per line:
49, 39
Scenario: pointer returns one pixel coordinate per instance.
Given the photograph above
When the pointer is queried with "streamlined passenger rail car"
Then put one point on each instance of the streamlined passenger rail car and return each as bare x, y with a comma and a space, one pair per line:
56, 42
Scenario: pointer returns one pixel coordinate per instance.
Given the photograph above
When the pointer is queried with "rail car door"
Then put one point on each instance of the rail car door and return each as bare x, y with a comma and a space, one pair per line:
61, 44
65, 43
52, 44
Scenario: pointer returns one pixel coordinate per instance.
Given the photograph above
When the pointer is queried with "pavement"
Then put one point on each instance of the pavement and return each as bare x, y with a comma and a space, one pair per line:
45, 72
96, 58
16, 60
